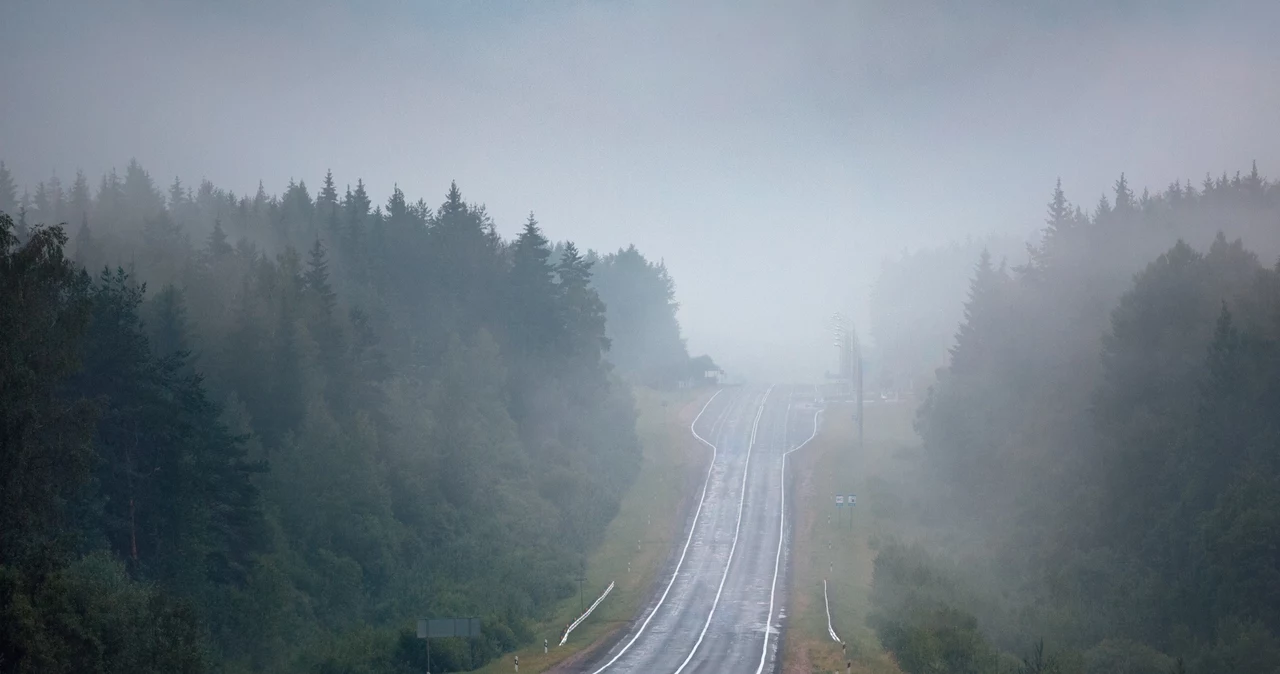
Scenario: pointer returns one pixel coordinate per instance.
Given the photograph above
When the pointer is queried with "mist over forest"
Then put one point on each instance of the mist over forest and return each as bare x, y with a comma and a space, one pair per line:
318, 319
1097, 487
270, 431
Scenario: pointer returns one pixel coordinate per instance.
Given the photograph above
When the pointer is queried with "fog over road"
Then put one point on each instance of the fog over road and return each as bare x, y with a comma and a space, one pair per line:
725, 581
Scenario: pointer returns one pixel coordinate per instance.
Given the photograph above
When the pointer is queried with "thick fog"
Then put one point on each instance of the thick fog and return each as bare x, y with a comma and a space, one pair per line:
771, 153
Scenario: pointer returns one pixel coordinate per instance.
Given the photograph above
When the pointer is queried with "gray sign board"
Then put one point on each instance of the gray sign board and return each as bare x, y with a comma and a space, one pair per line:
435, 628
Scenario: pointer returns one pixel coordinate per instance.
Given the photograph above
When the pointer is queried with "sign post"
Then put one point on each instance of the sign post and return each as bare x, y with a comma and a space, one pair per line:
435, 628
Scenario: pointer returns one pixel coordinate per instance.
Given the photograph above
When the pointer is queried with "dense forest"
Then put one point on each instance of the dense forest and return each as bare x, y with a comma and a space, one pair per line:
267, 433
915, 304
1099, 486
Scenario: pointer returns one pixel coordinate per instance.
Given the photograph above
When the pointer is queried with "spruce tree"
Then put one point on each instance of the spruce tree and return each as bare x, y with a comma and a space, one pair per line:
177, 196
1124, 196
217, 247
584, 311
536, 322
316, 279
86, 253
168, 327
79, 200
8, 192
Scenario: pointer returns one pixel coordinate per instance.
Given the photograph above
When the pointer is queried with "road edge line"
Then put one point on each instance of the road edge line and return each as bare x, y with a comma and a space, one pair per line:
692, 528
737, 528
782, 530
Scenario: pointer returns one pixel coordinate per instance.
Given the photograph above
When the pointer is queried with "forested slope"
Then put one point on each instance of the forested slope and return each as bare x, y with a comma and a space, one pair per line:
267, 433
1100, 465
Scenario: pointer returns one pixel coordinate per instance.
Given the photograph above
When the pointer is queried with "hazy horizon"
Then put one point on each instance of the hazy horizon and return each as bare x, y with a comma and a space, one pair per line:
770, 154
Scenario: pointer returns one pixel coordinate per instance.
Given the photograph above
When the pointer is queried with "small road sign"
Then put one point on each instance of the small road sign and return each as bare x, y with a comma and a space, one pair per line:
853, 500
840, 500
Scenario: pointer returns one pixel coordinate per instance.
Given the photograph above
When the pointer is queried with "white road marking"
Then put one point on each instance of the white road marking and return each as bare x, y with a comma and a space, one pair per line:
738, 526
582, 617
693, 429
830, 629
782, 526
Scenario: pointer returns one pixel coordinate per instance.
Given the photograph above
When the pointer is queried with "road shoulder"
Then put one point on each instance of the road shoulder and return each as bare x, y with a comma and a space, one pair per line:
835, 542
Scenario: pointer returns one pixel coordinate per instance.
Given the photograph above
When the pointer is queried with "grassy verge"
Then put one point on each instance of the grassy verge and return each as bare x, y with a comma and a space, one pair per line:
836, 543
674, 462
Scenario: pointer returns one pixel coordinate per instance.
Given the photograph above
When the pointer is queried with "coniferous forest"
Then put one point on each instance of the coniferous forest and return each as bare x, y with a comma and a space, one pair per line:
1099, 486
266, 433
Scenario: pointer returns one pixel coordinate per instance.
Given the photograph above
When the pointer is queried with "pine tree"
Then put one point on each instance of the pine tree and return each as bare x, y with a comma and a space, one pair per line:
109, 204
536, 322
584, 311
1059, 222
397, 209
80, 201
357, 212
177, 196
217, 247
8, 192
327, 199
178, 501
245, 359
1102, 211
43, 206
298, 212
169, 328
142, 201
57, 202
974, 347
316, 279
86, 253
21, 229
1124, 196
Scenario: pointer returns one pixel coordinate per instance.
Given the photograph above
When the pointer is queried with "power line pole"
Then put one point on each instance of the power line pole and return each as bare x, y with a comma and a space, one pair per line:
851, 363
861, 403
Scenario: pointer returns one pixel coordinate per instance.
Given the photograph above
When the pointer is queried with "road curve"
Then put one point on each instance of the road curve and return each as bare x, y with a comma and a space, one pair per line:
717, 608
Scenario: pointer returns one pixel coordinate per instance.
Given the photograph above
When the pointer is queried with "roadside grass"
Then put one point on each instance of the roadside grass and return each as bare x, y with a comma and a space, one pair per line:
836, 543
650, 515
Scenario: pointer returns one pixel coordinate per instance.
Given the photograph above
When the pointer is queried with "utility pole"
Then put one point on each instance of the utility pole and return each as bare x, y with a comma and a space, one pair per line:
851, 362
861, 404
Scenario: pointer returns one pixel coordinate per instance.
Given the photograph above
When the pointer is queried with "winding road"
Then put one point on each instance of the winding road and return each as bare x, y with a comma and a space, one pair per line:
718, 606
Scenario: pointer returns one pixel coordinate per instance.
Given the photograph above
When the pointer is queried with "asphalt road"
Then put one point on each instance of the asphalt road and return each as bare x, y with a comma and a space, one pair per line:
718, 607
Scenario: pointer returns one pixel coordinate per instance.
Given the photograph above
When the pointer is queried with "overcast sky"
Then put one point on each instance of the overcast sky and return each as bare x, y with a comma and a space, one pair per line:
770, 152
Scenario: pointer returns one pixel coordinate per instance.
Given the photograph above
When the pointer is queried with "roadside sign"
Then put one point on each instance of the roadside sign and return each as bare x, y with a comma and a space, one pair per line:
853, 500
839, 500
436, 628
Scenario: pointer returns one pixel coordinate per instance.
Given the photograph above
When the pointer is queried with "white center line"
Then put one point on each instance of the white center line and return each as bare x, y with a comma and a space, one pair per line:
693, 429
782, 527
745, 471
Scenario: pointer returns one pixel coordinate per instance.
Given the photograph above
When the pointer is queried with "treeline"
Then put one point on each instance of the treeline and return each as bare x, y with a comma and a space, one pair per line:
268, 433
1100, 482
915, 305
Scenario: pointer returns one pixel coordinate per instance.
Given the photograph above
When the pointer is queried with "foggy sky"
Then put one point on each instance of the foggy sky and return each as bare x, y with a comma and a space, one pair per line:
771, 153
